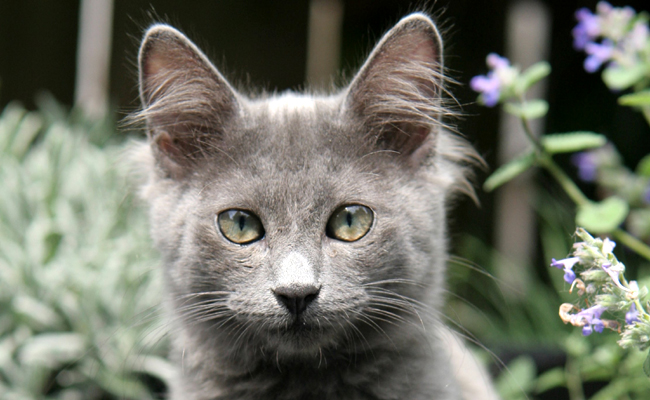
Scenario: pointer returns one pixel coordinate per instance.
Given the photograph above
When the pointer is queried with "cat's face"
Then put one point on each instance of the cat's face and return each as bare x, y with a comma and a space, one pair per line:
296, 223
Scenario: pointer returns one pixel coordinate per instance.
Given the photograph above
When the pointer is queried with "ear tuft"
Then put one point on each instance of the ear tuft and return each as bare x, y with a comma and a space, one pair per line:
397, 92
186, 103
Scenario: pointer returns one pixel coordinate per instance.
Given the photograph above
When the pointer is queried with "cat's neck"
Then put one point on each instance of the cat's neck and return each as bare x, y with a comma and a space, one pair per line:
387, 371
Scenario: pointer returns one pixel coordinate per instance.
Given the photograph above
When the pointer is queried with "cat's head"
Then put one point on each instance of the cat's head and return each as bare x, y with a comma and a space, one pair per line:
295, 223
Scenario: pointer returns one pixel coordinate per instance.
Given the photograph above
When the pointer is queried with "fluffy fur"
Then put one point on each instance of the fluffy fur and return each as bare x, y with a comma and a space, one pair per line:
374, 330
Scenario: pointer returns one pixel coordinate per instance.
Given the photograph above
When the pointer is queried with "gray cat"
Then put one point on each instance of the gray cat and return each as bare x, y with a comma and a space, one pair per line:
303, 235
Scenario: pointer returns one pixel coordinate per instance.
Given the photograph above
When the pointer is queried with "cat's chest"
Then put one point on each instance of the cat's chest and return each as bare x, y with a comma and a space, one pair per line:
381, 379
303, 385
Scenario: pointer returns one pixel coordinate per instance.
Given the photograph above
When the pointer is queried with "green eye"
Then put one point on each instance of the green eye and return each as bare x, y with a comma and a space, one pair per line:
349, 223
240, 226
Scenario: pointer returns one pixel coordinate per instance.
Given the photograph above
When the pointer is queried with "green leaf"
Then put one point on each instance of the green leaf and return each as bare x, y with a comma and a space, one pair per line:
635, 99
119, 385
156, 366
603, 217
10, 119
550, 380
532, 75
529, 110
52, 349
620, 78
572, 141
25, 134
35, 313
643, 168
646, 365
518, 379
509, 171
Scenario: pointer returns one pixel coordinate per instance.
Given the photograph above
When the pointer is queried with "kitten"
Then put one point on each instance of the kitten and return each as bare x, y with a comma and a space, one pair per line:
303, 236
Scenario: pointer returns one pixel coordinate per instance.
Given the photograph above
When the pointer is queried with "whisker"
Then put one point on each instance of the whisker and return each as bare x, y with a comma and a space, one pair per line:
395, 280
476, 268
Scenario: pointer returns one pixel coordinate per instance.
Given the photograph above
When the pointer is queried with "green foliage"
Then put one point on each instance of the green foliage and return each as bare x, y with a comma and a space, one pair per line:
637, 99
572, 141
532, 75
509, 171
528, 110
79, 287
643, 168
518, 380
621, 78
604, 216
552, 144
623, 199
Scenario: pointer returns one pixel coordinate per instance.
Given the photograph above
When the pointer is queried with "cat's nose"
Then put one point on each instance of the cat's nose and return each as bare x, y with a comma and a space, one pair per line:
296, 298
296, 284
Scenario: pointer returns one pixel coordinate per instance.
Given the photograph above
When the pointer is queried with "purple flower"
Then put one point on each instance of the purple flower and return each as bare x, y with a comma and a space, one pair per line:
496, 62
631, 49
590, 319
614, 21
566, 265
587, 30
638, 37
604, 8
598, 54
491, 85
569, 276
614, 272
624, 39
632, 315
587, 166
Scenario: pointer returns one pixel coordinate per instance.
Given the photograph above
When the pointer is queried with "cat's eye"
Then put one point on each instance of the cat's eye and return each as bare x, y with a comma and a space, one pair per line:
350, 223
239, 226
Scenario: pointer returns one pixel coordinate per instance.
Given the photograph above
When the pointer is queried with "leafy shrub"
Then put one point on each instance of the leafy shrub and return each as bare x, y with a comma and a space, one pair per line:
79, 285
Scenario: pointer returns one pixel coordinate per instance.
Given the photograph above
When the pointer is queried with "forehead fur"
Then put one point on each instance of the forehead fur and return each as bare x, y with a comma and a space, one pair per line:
389, 119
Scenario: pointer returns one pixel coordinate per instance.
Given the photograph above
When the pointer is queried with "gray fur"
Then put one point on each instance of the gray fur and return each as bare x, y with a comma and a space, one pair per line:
374, 331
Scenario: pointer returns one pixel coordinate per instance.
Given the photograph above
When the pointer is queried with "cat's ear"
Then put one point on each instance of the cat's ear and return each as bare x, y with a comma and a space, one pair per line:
397, 92
185, 101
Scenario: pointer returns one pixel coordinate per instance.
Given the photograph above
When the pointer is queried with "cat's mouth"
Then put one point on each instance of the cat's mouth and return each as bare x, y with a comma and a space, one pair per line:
300, 336
300, 326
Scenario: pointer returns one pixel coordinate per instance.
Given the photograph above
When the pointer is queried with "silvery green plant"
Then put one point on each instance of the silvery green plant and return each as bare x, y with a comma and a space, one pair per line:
617, 40
79, 291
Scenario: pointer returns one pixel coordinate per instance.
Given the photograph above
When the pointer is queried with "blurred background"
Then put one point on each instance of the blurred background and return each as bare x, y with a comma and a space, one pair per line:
57, 56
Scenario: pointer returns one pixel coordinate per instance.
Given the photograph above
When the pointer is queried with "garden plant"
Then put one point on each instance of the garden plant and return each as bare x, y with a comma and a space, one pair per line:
616, 39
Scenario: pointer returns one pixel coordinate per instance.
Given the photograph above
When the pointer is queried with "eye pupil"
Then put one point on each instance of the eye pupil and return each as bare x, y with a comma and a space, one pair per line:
350, 223
239, 226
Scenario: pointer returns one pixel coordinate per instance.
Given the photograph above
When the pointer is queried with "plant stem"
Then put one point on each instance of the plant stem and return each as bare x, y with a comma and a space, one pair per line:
528, 131
573, 381
567, 184
544, 160
531, 137
580, 199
